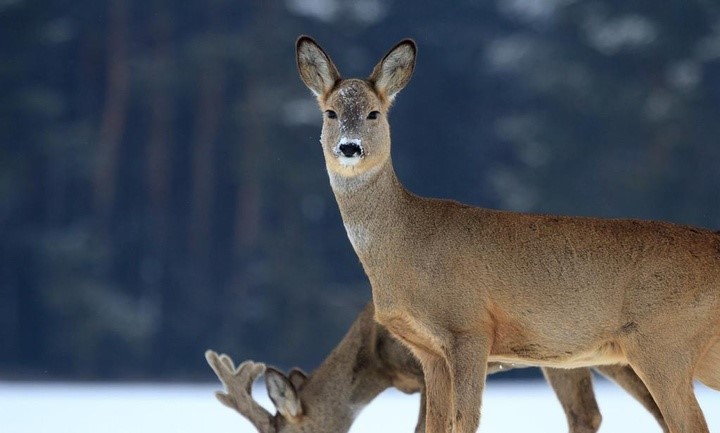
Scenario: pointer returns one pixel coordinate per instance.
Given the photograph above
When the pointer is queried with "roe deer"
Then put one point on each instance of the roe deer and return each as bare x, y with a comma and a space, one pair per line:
462, 285
367, 361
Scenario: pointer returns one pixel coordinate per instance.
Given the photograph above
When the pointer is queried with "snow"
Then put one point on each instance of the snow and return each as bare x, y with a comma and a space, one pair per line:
509, 407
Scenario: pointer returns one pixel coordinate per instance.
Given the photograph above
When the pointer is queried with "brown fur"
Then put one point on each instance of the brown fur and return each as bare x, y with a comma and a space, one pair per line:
462, 285
369, 360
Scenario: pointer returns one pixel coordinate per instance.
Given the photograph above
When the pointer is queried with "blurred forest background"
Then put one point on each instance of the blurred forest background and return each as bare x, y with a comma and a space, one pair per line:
163, 191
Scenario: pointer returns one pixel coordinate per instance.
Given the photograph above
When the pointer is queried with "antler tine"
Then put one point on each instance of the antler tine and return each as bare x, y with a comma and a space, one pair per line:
238, 389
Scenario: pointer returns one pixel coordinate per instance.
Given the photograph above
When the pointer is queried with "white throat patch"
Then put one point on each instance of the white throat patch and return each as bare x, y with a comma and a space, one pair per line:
349, 162
359, 236
349, 184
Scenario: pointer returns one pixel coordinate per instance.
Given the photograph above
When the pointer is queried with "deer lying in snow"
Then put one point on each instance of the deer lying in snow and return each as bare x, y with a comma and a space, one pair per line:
369, 360
463, 286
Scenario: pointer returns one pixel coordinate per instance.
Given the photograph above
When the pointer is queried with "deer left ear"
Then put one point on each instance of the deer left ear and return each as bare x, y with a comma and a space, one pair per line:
283, 394
394, 71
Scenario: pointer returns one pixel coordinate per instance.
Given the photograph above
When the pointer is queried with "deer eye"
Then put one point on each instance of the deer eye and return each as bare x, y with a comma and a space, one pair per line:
373, 115
331, 114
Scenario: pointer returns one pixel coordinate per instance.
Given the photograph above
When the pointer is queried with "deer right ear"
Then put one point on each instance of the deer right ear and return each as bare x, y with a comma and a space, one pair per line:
316, 69
283, 394
297, 377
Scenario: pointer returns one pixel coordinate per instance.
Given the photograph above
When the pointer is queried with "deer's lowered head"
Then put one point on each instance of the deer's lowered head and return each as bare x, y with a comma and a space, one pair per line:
366, 362
284, 392
355, 133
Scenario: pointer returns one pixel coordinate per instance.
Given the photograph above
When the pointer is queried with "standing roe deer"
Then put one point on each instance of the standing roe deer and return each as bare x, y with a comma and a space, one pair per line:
462, 285
369, 360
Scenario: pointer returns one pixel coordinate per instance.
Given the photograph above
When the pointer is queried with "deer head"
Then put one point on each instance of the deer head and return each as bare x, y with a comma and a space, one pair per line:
355, 134
293, 414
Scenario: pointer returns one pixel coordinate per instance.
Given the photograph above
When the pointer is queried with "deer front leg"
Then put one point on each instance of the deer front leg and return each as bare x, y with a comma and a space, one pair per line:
438, 402
467, 360
573, 387
454, 383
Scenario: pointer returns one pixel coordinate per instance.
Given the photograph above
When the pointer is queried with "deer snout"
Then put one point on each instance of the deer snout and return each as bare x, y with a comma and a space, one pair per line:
350, 149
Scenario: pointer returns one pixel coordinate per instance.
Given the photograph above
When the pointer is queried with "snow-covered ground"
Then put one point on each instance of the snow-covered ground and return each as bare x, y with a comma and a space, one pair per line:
106, 408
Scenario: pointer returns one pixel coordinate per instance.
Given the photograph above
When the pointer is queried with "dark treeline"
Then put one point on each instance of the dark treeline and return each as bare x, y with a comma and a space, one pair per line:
162, 189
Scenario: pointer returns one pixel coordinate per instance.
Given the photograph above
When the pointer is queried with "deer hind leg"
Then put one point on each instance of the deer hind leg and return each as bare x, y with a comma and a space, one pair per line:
574, 389
668, 374
624, 376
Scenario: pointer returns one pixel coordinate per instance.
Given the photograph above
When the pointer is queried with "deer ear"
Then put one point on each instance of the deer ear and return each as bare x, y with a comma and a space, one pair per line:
394, 71
297, 377
283, 394
316, 69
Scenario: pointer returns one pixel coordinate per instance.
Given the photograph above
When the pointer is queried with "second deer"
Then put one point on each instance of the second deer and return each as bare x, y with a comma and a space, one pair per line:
369, 360
461, 285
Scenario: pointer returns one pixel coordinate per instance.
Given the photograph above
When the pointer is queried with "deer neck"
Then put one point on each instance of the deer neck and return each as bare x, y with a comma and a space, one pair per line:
373, 205
350, 377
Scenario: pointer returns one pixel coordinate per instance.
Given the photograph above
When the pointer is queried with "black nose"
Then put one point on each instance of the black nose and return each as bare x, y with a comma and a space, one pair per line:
350, 149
